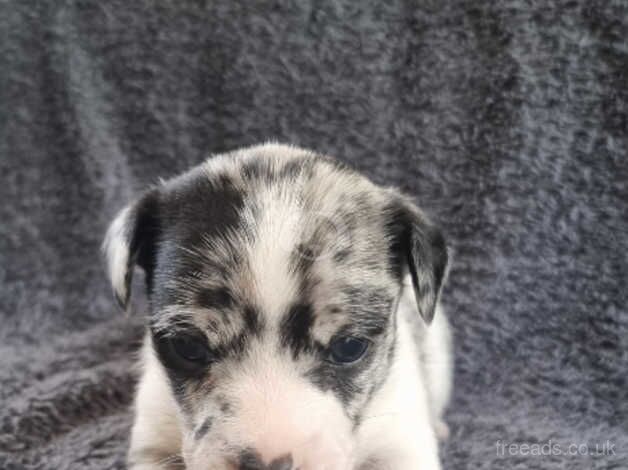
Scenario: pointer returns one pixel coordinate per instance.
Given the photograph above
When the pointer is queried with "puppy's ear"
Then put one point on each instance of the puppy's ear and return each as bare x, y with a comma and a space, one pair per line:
131, 239
418, 247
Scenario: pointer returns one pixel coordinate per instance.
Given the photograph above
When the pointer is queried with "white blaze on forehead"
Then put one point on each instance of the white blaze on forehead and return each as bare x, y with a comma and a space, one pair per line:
275, 228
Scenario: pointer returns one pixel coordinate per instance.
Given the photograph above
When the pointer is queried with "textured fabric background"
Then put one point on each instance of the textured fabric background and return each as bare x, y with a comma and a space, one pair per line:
506, 119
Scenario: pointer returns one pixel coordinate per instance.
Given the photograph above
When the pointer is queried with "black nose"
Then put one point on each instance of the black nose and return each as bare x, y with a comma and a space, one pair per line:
282, 463
250, 460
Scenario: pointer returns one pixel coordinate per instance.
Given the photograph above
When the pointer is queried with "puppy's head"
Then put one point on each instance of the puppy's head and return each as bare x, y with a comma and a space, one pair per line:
273, 276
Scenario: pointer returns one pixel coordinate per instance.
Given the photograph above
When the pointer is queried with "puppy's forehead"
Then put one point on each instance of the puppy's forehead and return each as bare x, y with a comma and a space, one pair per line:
269, 230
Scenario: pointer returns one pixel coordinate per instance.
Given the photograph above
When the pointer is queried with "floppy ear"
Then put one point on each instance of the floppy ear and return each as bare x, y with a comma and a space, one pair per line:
131, 239
421, 247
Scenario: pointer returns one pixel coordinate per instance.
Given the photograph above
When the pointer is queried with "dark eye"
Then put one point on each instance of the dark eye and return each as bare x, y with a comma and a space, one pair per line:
348, 349
184, 353
190, 348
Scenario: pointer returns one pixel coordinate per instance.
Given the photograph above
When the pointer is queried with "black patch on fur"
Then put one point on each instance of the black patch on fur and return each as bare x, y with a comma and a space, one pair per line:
236, 348
252, 320
226, 408
295, 329
340, 379
256, 169
438, 247
420, 246
399, 231
427, 252
341, 255
215, 299
203, 428
194, 209
141, 232
250, 460
203, 207
145, 237
293, 168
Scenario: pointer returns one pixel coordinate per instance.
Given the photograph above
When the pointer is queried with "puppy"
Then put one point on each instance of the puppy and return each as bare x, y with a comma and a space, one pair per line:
290, 299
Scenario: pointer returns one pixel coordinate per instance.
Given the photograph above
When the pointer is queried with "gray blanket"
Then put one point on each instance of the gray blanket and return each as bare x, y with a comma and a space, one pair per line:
507, 120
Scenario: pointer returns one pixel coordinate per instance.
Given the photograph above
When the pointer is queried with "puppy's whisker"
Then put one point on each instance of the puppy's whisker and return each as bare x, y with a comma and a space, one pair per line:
171, 462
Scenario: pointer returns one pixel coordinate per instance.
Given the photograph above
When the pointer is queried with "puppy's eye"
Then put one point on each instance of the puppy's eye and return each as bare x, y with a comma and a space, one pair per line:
190, 349
183, 353
347, 349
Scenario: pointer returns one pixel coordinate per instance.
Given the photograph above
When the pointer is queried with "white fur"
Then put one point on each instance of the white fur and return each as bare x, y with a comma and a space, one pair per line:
276, 234
398, 426
116, 250
437, 367
156, 433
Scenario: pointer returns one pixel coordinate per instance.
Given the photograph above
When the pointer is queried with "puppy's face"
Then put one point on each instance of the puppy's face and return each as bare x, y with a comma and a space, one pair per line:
273, 276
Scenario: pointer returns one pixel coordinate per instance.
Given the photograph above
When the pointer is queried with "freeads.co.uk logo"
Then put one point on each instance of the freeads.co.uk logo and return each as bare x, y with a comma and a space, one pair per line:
552, 448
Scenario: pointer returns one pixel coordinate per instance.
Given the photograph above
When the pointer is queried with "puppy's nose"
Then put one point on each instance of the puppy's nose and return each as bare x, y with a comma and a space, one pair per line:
252, 461
282, 463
